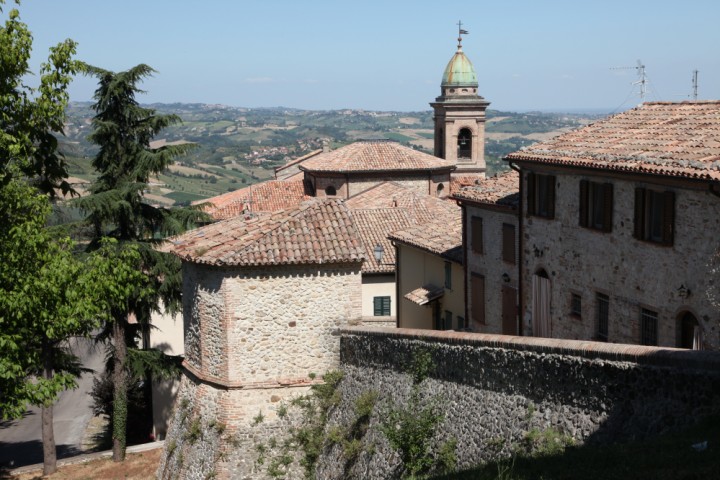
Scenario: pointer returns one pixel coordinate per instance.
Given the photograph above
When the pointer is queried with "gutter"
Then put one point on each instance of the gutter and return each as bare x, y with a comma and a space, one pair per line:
520, 246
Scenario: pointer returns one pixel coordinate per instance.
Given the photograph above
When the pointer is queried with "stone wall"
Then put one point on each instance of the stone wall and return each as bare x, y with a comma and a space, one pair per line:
419, 182
494, 389
634, 274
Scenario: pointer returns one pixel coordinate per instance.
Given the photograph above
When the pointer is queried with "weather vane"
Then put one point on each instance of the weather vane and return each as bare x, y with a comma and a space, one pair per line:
461, 32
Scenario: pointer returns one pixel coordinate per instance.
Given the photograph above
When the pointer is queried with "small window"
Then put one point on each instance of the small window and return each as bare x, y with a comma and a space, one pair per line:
448, 325
648, 327
508, 243
381, 306
477, 293
541, 195
448, 275
602, 302
654, 216
460, 322
596, 205
440, 189
575, 305
476, 234
330, 191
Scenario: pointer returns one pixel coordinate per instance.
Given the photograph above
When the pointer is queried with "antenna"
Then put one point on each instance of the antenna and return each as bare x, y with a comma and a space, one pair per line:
642, 77
695, 84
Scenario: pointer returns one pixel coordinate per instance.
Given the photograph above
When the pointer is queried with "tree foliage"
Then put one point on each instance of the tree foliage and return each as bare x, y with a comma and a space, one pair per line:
117, 208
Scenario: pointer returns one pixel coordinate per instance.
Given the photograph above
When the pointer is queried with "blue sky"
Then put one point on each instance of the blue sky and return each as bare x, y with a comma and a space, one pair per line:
390, 55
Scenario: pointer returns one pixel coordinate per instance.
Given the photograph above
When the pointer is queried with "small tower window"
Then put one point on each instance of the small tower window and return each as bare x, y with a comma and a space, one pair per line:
440, 189
465, 144
330, 191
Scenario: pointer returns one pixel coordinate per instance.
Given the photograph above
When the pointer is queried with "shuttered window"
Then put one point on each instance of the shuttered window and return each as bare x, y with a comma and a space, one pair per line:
477, 292
654, 216
602, 305
448, 325
508, 243
381, 306
596, 205
448, 275
648, 327
476, 234
541, 195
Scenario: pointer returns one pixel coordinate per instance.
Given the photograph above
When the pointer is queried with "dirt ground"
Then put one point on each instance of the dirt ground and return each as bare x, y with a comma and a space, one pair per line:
137, 466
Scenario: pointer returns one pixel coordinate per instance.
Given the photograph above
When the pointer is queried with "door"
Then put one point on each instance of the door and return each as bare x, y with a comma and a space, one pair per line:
509, 310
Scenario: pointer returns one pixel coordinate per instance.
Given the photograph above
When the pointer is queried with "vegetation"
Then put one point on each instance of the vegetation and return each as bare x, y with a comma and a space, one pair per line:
117, 209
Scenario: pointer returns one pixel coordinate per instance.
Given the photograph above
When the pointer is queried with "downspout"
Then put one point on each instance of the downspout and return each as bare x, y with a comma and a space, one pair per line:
520, 250
465, 263
397, 285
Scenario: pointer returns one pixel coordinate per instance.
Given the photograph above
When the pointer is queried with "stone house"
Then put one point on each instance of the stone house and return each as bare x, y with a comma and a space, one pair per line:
490, 239
263, 299
619, 229
429, 270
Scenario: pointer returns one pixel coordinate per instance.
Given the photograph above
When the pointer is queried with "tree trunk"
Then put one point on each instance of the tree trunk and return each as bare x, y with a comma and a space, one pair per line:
48, 435
119, 420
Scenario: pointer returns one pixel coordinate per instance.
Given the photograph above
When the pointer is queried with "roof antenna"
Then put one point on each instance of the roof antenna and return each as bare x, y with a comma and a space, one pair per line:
642, 78
695, 84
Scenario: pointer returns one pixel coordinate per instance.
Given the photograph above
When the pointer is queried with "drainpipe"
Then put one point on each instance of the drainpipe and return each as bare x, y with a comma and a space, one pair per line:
397, 285
465, 262
520, 250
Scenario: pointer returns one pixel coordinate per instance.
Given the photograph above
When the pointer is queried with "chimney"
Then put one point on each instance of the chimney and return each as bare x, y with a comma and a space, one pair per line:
325, 145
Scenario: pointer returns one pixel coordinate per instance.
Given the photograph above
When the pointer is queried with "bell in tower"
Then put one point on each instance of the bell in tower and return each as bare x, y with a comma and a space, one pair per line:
459, 115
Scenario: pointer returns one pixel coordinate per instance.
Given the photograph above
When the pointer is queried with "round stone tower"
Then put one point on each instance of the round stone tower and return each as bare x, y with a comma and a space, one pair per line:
459, 115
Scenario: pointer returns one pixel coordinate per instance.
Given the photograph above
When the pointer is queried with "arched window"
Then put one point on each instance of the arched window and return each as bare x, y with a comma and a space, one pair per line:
465, 144
330, 191
440, 189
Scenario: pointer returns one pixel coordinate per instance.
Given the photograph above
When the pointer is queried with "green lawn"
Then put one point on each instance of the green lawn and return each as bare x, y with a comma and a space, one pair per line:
668, 457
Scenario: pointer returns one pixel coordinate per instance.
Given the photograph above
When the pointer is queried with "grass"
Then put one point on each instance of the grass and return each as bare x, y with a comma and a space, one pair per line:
667, 457
398, 137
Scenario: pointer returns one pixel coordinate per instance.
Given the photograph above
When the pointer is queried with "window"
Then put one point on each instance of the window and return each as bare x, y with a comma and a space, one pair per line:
448, 275
654, 216
330, 191
477, 293
381, 306
439, 189
508, 243
460, 322
476, 235
541, 195
464, 150
602, 302
575, 305
596, 205
648, 327
448, 320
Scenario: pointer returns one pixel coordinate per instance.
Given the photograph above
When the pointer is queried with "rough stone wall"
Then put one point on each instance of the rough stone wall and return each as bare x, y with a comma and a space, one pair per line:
634, 274
494, 389
418, 182
490, 264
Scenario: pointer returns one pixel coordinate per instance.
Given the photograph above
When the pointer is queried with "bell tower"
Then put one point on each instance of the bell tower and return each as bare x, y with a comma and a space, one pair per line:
459, 115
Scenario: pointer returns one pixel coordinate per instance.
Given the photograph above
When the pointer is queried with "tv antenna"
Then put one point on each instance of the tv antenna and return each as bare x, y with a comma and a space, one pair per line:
694, 84
642, 77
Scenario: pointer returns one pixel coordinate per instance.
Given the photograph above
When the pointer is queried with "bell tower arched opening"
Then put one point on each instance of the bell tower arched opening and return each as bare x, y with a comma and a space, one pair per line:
464, 146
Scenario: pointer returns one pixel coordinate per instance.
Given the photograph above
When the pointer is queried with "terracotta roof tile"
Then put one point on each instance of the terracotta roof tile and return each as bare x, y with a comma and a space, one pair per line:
374, 226
442, 236
425, 294
458, 182
269, 196
374, 156
502, 189
316, 232
679, 139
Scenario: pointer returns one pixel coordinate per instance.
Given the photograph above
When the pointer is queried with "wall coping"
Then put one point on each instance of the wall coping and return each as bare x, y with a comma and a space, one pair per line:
223, 384
640, 354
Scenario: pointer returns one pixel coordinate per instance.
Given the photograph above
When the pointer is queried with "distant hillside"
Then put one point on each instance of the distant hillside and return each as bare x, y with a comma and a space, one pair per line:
241, 146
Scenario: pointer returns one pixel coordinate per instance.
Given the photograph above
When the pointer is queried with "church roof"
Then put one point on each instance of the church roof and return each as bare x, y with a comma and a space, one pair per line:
459, 71
374, 156
678, 139
316, 232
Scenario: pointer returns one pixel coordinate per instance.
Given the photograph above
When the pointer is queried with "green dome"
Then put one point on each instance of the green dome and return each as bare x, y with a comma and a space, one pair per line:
460, 71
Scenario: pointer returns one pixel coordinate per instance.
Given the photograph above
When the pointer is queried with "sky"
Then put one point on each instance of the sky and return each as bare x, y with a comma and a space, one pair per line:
390, 55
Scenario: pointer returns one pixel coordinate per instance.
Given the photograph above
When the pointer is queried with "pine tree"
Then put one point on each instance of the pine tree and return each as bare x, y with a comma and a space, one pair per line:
117, 208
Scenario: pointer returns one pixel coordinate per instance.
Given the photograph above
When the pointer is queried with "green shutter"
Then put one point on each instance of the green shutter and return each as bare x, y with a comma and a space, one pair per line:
639, 227
607, 207
584, 203
531, 193
668, 217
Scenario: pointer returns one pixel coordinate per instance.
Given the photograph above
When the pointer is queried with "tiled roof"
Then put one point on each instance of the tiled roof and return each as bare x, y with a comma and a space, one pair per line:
374, 156
421, 208
425, 294
679, 139
502, 189
442, 236
280, 173
374, 226
316, 232
458, 182
269, 196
